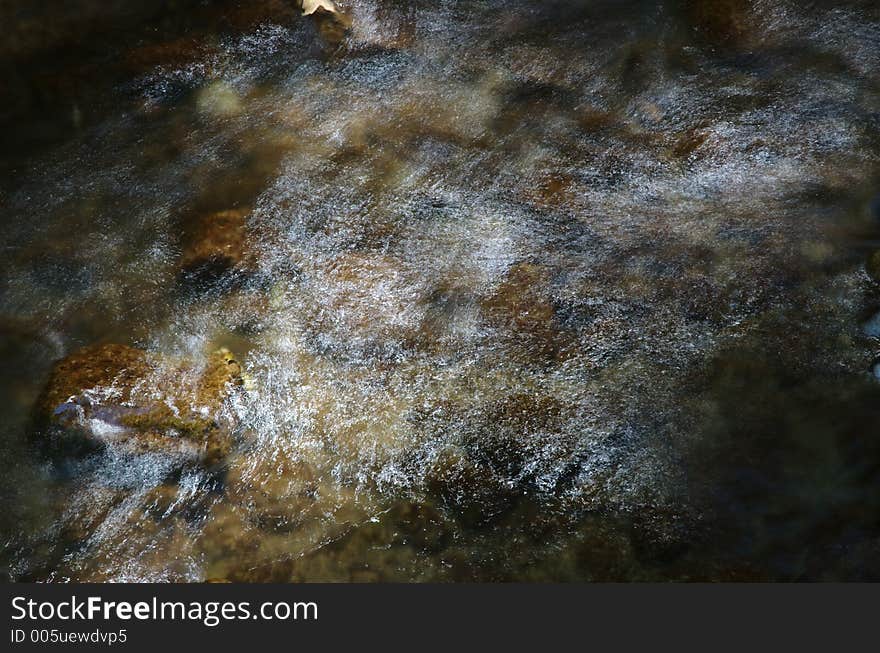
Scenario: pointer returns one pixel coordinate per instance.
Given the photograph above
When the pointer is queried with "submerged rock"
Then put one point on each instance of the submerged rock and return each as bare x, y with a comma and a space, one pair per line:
115, 395
174, 52
363, 305
722, 22
872, 266
214, 248
871, 328
331, 21
523, 307
497, 452
219, 100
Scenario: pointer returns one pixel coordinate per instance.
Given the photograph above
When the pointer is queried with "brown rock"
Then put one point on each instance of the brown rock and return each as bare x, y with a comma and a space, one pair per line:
873, 265
364, 304
216, 238
688, 142
721, 22
522, 307
332, 23
121, 396
173, 52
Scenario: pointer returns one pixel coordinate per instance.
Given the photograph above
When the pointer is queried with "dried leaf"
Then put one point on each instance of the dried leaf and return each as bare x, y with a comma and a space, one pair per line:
311, 6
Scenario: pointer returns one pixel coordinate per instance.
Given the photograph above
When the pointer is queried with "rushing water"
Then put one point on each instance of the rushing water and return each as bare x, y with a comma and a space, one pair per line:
530, 291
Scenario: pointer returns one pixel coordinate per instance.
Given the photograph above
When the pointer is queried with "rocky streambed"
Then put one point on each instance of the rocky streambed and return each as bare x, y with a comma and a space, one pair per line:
447, 291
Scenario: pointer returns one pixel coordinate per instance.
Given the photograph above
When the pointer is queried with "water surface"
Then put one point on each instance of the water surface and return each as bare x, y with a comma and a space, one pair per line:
533, 291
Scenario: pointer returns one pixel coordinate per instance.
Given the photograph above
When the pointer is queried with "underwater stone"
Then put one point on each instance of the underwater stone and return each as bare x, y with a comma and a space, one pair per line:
722, 22
219, 100
214, 248
872, 326
332, 23
874, 207
115, 395
177, 52
364, 305
872, 266
523, 306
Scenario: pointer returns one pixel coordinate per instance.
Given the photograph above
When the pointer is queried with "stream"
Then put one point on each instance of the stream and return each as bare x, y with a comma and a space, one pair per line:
519, 291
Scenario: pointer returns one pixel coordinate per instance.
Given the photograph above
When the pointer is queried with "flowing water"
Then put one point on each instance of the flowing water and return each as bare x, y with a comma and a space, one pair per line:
533, 291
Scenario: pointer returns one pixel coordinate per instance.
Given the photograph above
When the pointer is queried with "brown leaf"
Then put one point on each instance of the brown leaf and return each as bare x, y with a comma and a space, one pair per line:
311, 6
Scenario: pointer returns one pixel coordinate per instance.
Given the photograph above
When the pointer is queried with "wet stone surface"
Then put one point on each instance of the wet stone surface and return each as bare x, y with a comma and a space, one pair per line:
516, 291
113, 395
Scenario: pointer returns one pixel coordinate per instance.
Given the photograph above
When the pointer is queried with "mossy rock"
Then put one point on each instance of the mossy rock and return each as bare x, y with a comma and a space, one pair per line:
115, 395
